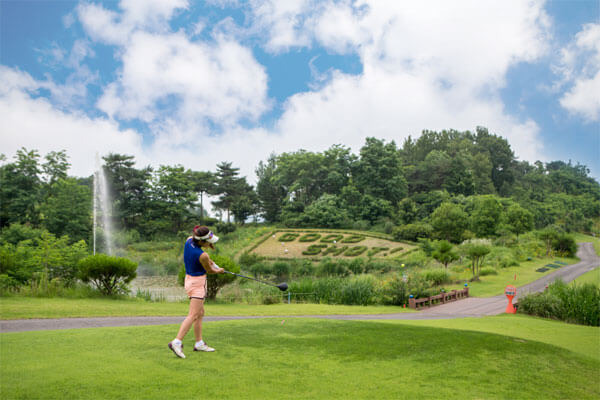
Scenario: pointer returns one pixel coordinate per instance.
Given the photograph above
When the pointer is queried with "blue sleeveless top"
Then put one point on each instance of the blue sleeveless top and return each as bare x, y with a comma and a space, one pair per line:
191, 258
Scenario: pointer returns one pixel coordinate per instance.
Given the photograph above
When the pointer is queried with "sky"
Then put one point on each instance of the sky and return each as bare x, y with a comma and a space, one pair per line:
197, 83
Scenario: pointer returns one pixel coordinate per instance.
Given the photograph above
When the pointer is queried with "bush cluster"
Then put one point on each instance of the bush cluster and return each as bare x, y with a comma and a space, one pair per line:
579, 304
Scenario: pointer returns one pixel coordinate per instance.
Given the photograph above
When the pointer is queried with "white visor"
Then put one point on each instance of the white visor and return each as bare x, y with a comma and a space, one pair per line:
209, 237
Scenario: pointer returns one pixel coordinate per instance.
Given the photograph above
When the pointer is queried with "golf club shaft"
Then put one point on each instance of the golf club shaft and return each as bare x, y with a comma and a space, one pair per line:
254, 279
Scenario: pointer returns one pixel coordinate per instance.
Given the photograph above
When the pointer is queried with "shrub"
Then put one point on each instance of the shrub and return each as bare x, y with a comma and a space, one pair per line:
281, 269
488, 271
436, 277
353, 238
260, 269
395, 291
225, 227
303, 268
334, 237
578, 304
376, 250
109, 274
309, 237
217, 281
412, 232
396, 249
288, 237
248, 259
314, 249
334, 250
355, 251
565, 245
359, 290
331, 267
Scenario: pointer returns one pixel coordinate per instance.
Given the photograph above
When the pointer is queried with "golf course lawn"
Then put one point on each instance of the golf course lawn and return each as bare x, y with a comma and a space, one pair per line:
32, 307
308, 359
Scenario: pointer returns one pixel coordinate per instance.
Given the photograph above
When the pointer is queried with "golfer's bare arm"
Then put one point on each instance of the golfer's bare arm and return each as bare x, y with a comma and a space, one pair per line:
209, 265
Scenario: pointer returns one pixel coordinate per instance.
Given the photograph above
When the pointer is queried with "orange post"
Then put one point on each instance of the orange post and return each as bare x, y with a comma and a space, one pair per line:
510, 291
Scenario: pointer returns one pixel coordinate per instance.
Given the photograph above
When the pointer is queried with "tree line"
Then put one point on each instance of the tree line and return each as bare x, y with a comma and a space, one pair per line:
450, 185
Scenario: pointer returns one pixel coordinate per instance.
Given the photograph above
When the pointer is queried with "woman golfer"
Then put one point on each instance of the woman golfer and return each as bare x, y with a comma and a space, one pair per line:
197, 265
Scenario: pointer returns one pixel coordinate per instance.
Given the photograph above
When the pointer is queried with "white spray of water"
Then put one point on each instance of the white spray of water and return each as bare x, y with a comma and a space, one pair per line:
102, 206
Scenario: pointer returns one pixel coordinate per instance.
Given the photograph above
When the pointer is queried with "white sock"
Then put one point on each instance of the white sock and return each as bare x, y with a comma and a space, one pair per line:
200, 343
177, 342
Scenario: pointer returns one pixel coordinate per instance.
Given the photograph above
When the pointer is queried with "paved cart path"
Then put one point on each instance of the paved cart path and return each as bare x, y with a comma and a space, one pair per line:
470, 307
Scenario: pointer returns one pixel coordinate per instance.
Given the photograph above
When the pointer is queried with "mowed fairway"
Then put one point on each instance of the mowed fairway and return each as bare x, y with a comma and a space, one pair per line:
296, 359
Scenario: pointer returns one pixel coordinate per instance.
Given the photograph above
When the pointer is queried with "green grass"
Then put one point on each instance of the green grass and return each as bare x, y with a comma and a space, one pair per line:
301, 358
580, 237
584, 340
493, 285
592, 276
33, 307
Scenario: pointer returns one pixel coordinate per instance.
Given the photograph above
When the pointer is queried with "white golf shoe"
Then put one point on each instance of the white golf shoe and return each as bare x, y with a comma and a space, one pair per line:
177, 349
203, 347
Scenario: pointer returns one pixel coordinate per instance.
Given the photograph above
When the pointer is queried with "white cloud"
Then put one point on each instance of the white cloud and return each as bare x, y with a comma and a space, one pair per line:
426, 65
115, 28
580, 68
221, 82
35, 123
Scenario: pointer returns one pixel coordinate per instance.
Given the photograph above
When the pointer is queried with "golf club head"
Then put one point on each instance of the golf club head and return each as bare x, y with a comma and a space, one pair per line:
282, 286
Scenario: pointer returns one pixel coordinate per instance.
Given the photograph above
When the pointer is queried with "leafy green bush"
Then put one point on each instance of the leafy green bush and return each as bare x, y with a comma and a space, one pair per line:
248, 259
578, 304
288, 237
354, 238
436, 277
376, 250
281, 269
109, 274
331, 267
214, 282
309, 237
412, 232
565, 245
334, 237
334, 250
355, 251
488, 271
314, 249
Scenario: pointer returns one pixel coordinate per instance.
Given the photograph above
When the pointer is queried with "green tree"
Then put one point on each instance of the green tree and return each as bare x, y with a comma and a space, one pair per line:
476, 252
326, 212
519, 219
204, 183
486, 215
379, 172
173, 195
130, 188
270, 192
68, 211
443, 253
228, 186
449, 222
20, 191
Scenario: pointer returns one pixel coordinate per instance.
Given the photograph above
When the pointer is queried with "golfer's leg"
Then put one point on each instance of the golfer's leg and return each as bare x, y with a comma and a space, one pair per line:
198, 323
195, 306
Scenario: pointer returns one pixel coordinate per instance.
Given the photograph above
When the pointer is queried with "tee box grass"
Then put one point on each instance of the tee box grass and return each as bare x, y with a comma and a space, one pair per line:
300, 358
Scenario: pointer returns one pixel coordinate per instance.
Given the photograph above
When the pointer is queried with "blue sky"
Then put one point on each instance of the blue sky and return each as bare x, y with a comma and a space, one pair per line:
197, 83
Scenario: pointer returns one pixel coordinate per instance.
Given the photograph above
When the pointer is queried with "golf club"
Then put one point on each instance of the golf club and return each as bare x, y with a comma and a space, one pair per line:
282, 286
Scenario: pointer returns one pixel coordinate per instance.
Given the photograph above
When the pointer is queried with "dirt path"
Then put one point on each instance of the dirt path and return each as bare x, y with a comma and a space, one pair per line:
470, 307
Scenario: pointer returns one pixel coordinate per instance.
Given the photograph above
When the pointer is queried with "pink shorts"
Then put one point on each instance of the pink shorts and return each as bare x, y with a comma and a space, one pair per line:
195, 286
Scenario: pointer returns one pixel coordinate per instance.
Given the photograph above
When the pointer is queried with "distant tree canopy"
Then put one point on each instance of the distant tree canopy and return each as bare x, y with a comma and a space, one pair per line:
449, 185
